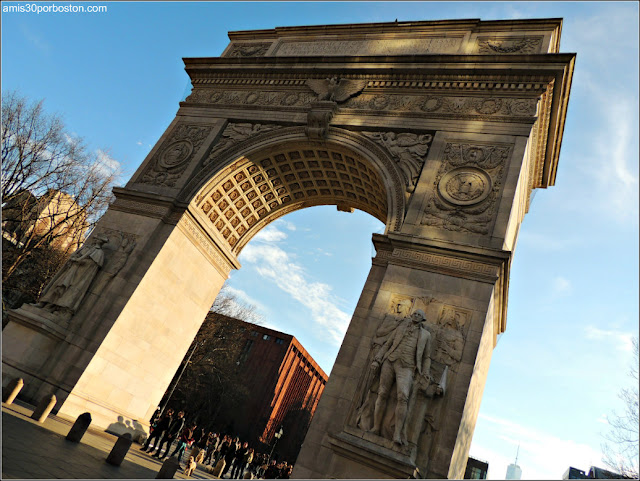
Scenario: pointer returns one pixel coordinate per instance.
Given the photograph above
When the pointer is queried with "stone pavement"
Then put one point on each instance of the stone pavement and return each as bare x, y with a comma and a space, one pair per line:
31, 450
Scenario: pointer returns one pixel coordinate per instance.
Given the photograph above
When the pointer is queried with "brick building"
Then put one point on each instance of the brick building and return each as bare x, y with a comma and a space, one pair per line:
285, 385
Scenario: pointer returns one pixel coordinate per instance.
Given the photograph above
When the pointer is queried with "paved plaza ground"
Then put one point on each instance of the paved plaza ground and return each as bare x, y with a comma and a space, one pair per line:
32, 450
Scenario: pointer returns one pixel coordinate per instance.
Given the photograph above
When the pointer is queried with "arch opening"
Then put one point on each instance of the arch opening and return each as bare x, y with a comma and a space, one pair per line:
257, 188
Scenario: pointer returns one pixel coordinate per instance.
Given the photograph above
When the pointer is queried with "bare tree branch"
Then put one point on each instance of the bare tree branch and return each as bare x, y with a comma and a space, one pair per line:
54, 189
620, 450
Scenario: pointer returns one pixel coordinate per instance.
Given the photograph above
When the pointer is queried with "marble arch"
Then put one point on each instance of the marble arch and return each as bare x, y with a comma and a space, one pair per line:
440, 129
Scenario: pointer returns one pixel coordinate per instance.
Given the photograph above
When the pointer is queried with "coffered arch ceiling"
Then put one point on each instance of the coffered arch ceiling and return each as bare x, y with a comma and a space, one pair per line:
259, 187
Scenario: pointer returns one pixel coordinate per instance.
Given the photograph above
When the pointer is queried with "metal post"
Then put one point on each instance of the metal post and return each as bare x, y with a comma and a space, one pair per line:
277, 435
178, 380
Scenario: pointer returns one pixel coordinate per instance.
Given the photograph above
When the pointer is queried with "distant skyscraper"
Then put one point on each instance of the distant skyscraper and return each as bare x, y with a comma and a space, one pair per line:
513, 470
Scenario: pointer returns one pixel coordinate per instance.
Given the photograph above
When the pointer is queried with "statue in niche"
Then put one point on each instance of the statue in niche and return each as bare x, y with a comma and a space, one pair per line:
115, 262
400, 309
404, 355
401, 380
64, 294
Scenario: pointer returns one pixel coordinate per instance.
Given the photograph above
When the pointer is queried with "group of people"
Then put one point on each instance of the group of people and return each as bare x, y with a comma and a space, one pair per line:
208, 448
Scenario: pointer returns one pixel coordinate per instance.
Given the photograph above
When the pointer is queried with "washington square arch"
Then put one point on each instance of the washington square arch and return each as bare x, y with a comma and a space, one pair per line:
439, 129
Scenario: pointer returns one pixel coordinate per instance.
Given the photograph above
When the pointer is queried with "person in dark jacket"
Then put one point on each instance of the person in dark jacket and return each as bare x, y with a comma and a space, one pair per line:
158, 431
212, 444
238, 461
174, 429
272, 470
230, 455
185, 439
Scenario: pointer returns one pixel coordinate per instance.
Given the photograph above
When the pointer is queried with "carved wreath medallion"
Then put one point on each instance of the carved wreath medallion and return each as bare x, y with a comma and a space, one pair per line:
175, 154
465, 186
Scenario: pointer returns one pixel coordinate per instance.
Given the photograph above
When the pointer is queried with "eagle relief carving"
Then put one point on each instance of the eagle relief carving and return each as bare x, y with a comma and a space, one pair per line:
336, 90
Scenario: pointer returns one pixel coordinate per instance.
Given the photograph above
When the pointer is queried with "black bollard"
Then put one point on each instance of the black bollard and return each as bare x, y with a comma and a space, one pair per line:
169, 468
120, 450
43, 408
12, 390
79, 428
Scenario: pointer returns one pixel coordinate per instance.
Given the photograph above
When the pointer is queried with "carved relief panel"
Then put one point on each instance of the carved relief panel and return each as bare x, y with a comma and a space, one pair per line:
466, 190
415, 351
89, 270
175, 154
502, 45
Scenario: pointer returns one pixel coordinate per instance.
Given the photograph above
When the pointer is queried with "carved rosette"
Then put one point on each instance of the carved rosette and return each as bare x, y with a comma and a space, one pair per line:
467, 187
173, 157
236, 133
407, 149
501, 45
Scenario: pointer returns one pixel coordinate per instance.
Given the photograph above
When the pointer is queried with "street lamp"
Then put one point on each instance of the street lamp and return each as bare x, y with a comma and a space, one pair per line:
195, 346
277, 435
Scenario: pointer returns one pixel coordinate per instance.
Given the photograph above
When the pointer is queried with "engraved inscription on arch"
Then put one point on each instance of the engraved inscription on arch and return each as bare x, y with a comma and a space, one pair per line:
396, 46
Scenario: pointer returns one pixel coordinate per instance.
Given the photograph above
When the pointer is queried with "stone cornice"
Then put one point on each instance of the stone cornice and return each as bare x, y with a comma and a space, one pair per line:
401, 64
396, 28
149, 205
481, 264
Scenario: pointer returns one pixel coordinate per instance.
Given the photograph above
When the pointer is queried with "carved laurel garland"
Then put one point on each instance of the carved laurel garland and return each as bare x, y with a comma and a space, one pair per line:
500, 45
467, 187
474, 106
248, 49
257, 98
173, 157
484, 107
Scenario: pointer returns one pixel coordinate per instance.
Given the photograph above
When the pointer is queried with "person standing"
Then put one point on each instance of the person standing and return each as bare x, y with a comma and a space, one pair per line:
212, 444
185, 439
222, 448
238, 460
175, 427
230, 455
158, 431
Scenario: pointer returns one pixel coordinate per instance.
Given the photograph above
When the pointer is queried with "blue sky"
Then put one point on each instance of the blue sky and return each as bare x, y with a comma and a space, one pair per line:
117, 78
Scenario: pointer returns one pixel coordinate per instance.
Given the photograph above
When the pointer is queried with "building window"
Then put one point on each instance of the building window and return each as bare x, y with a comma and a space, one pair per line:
254, 333
279, 341
266, 337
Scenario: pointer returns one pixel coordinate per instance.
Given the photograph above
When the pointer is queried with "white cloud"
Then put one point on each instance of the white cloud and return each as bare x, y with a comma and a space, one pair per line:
603, 419
286, 224
273, 264
609, 141
106, 163
542, 455
138, 143
622, 340
561, 286
35, 39
246, 298
270, 234
611, 166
